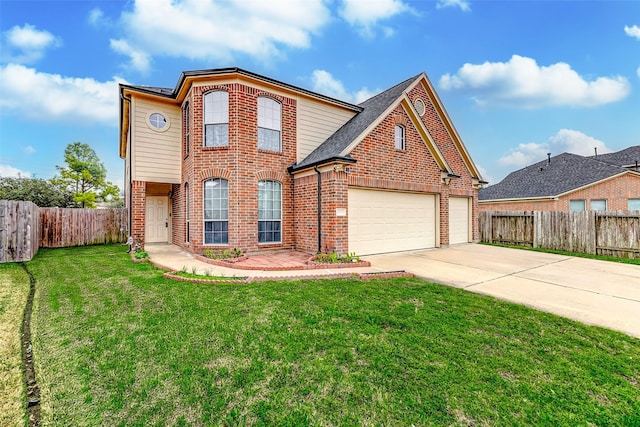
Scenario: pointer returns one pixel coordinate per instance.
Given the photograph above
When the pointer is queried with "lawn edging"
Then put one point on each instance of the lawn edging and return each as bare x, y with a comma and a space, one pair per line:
173, 275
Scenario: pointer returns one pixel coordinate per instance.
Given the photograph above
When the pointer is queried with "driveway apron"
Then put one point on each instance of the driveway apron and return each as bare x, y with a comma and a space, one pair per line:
593, 292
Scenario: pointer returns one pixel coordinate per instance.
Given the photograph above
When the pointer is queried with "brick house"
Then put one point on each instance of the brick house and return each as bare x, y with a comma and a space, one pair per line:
569, 182
232, 159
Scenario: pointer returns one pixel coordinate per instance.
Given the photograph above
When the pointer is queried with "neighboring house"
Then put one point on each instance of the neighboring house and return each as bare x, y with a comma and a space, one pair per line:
229, 158
569, 182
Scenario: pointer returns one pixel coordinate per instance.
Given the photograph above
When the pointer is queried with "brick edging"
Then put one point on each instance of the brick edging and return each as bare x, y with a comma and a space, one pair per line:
223, 281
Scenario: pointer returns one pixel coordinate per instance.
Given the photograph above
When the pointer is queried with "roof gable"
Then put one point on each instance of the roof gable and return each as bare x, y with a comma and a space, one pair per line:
339, 145
551, 178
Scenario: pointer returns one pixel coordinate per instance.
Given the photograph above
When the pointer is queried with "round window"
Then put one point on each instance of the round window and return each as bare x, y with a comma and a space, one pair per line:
419, 106
158, 121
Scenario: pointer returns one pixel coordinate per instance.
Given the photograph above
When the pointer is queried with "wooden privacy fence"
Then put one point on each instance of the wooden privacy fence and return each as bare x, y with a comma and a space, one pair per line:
24, 228
612, 233
82, 227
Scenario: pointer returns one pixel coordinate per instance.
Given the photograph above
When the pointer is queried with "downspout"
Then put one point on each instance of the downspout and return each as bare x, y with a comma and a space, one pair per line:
124, 98
315, 168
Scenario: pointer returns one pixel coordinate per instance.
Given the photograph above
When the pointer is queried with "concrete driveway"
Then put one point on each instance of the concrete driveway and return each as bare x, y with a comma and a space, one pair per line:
593, 292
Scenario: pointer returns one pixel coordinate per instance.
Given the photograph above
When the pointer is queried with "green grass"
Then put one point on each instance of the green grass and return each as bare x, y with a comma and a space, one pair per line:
14, 289
635, 261
116, 344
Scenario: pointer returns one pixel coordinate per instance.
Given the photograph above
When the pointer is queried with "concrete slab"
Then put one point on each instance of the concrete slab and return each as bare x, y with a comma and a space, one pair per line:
591, 291
587, 307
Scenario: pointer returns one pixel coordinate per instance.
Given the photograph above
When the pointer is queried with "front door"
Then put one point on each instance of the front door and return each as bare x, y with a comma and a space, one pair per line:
157, 219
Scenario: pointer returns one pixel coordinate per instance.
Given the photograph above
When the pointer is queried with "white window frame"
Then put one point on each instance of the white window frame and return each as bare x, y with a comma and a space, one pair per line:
575, 201
216, 118
187, 213
269, 124
215, 211
633, 204
269, 212
399, 137
186, 112
591, 202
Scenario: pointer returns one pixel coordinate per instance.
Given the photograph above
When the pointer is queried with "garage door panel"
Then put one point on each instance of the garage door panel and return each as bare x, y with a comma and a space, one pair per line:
384, 221
458, 220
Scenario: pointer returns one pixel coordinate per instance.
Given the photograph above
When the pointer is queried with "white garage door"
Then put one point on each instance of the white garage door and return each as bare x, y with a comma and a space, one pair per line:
387, 221
458, 220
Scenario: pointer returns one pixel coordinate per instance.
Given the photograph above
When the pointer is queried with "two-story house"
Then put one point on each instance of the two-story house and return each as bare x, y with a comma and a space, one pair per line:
232, 159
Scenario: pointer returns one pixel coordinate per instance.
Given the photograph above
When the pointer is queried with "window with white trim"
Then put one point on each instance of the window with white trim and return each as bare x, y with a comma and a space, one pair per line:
269, 124
186, 122
576, 205
598, 204
633, 204
187, 212
399, 137
216, 211
216, 119
269, 212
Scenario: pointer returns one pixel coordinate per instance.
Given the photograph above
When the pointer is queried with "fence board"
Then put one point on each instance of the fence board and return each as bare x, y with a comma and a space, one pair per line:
18, 231
614, 233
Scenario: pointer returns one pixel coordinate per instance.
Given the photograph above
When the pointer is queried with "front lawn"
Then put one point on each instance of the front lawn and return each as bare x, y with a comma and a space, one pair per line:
117, 344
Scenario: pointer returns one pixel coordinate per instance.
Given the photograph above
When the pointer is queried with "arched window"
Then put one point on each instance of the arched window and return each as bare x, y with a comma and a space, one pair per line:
399, 137
216, 119
216, 211
269, 124
269, 212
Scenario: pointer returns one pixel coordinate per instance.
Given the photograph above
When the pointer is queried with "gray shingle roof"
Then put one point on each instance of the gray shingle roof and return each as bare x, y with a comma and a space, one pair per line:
565, 172
627, 157
372, 109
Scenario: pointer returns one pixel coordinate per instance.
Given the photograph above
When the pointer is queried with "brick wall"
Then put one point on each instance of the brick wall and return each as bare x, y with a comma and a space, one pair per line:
616, 191
138, 210
242, 164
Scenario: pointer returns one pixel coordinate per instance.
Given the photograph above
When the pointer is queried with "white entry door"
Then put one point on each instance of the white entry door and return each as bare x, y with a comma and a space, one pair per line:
157, 220
389, 221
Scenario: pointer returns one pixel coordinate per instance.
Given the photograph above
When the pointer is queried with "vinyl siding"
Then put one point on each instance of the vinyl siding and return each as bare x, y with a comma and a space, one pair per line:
156, 155
316, 122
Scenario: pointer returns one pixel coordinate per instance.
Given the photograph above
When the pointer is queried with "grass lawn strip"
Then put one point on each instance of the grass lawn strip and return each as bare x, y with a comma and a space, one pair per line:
14, 289
117, 344
635, 261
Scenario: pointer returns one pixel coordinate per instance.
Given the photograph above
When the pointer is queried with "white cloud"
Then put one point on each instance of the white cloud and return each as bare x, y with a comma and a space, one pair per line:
11, 172
27, 44
462, 4
28, 150
485, 175
323, 82
632, 31
43, 96
217, 30
365, 14
521, 82
638, 71
565, 141
139, 60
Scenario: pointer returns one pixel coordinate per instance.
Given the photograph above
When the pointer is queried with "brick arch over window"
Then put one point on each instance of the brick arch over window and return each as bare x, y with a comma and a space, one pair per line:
214, 173
400, 119
272, 175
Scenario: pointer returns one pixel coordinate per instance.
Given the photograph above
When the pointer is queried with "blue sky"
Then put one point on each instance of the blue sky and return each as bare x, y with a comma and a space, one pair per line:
519, 79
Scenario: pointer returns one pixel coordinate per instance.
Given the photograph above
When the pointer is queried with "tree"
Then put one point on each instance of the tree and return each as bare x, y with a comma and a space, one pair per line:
39, 191
85, 176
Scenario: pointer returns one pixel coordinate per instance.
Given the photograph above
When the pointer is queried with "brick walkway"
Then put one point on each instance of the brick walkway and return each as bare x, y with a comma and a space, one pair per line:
277, 261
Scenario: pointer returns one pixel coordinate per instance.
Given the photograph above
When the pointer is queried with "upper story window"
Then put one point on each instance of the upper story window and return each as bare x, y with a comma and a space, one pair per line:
216, 119
576, 205
216, 212
598, 205
399, 137
158, 122
269, 124
186, 120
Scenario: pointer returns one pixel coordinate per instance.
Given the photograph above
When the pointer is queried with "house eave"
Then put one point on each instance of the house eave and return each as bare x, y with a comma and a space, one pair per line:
293, 169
